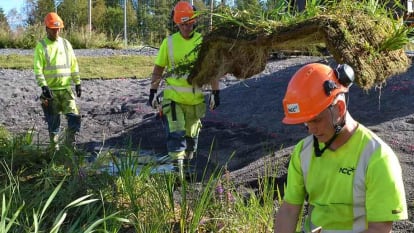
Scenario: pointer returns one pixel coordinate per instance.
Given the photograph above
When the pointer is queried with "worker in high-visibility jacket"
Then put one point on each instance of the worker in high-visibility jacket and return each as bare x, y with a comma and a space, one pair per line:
55, 68
183, 104
350, 178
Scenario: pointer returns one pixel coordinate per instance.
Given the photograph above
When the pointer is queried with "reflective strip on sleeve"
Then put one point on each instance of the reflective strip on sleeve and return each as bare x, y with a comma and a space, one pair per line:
305, 156
68, 61
171, 52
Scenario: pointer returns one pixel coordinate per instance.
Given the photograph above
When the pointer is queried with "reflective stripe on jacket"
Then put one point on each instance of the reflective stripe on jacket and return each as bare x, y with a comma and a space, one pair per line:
177, 88
359, 192
55, 64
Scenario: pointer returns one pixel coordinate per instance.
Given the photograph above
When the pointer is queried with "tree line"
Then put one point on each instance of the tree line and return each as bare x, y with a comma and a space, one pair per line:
147, 21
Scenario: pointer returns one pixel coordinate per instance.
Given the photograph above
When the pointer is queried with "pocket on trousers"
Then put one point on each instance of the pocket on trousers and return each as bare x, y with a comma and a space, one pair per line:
69, 93
166, 106
200, 110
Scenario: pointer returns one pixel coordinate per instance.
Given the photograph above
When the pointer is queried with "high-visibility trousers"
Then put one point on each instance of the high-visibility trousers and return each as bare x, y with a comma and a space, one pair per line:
183, 125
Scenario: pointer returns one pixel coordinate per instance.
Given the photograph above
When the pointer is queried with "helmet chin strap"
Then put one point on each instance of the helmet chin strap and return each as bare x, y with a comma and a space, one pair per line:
338, 127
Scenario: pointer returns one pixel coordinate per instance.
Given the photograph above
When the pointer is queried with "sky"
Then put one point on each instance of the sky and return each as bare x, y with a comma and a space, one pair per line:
7, 5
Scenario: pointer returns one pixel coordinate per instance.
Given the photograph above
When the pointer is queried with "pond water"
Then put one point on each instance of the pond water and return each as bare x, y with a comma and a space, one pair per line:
116, 161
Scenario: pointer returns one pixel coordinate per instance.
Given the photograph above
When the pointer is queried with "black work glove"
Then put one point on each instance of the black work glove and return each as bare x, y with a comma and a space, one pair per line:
152, 101
214, 99
46, 92
78, 90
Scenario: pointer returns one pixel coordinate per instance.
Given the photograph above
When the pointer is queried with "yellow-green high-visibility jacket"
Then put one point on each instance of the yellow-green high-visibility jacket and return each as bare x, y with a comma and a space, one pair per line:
360, 182
55, 64
175, 51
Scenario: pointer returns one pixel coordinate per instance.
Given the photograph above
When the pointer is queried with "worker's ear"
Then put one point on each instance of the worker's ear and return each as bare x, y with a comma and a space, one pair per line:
341, 105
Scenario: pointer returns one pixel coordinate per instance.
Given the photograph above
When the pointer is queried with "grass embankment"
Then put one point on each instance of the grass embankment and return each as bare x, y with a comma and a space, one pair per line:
93, 67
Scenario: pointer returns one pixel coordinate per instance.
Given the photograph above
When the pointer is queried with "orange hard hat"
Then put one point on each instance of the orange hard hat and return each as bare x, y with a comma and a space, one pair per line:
183, 13
52, 20
311, 90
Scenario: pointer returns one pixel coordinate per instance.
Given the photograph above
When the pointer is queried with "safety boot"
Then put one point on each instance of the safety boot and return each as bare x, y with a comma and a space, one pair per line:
180, 165
189, 155
54, 141
177, 160
70, 139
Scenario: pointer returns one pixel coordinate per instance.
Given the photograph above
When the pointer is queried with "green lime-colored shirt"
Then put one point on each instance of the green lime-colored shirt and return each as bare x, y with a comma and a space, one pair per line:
330, 183
174, 52
182, 50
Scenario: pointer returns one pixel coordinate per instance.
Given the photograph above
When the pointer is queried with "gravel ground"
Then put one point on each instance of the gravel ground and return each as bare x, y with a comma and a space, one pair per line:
244, 132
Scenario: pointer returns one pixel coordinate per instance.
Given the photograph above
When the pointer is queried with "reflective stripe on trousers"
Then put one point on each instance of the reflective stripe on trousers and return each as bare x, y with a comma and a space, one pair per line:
358, 185
182, 124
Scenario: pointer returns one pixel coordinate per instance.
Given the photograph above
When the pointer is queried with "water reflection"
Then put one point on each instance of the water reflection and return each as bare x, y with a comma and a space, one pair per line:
116, 161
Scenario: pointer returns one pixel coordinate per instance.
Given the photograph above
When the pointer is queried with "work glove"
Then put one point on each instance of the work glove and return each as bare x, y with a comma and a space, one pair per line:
47, 93
153, 100
78, 90
214, 99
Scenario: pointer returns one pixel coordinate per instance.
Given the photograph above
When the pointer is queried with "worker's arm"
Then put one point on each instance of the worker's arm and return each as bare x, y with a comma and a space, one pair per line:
379, 227
156, 76
214, 100
155, 83
39, 65
287, 218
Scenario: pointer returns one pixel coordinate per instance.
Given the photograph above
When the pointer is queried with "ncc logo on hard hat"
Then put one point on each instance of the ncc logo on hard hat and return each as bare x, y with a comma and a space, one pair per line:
293, 108
56, 24
185, 19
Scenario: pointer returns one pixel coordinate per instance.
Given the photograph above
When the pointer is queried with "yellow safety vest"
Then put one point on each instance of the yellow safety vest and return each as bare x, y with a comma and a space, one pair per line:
55, 64
177, 88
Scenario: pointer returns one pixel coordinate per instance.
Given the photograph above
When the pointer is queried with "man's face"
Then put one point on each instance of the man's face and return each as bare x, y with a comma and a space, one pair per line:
52, 33
186, 29
321, 126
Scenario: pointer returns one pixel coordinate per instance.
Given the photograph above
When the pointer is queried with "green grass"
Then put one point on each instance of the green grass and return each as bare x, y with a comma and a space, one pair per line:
46, 191
14, 61
4, 134
93, 67
116, 67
